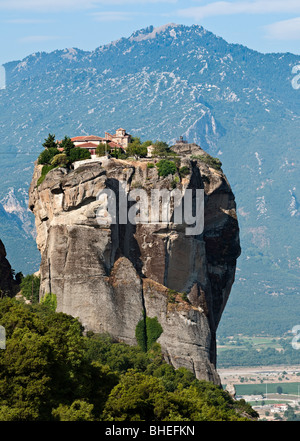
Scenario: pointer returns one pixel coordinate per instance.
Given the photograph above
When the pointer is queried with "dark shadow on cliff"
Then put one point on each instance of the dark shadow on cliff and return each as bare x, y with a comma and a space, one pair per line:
124, 233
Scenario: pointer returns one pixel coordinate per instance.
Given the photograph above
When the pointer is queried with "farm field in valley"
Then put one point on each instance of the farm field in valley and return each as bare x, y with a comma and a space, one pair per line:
271, 390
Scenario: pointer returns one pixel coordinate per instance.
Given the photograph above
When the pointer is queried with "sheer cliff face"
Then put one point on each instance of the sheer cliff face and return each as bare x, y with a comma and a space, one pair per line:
111, 275
6, 278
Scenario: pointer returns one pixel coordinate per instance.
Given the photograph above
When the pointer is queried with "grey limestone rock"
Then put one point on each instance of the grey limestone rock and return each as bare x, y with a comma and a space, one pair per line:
110, 275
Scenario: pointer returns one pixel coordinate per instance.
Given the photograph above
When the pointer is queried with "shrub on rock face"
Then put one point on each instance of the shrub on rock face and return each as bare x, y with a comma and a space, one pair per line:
78, 154
60, 160
209, 160
47, 155
184, 171
166, 168
45, 170
147, 332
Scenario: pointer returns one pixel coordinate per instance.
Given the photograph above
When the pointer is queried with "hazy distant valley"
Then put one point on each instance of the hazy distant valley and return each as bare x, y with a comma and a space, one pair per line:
237, 104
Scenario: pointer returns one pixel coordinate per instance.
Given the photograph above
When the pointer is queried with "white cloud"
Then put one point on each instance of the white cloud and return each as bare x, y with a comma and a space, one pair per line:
38, 38
26, 21
131, 2
284, 30
58, 5
240, 7
112, 16
36, 5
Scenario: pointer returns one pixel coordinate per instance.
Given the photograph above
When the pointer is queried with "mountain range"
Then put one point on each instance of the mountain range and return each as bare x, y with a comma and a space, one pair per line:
162, 83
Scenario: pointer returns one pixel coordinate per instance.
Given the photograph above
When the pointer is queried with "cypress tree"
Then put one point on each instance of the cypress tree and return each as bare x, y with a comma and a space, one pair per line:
50, 142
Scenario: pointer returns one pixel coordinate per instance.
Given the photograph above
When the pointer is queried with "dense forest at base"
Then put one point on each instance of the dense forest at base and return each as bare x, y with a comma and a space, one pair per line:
51, 371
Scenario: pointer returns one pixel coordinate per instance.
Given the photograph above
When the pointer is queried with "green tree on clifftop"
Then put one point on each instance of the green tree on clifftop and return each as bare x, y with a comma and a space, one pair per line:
67, 144
50, 142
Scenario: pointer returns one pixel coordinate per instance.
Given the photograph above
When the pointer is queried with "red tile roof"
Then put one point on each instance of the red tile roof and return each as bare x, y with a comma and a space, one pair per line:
87, 138
115, 145
87, 145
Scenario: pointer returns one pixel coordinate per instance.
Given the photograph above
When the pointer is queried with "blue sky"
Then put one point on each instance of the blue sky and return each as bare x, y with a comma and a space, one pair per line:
28, 26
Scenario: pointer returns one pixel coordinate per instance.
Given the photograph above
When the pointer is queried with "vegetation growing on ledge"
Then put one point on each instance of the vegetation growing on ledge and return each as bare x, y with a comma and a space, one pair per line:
172, 294
166, 167
50, 371
45, 171
52, 158
147, 331
137, 149
209, 160
184, 171
68, 153
47, 155
169, 163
